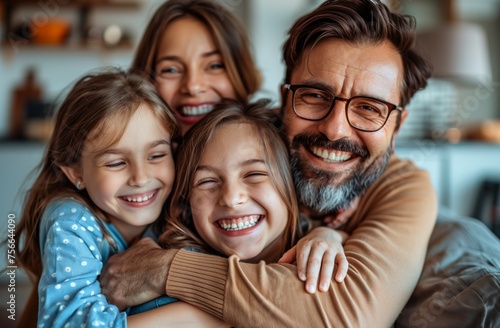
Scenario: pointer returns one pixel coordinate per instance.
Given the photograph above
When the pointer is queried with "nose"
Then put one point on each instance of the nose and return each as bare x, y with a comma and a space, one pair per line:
140, 175
193, 83
335, 125
233, 194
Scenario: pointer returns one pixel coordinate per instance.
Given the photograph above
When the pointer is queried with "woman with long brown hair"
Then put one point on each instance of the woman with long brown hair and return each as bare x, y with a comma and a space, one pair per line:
198, 53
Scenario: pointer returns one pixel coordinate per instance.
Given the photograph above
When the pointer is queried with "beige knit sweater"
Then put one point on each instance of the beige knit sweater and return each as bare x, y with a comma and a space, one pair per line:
389, 235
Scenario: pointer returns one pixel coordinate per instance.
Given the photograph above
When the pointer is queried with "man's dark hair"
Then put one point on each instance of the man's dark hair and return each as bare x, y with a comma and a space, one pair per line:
360, 22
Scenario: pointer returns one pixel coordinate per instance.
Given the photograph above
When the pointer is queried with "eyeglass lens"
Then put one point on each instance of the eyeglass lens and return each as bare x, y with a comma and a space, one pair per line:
362, 112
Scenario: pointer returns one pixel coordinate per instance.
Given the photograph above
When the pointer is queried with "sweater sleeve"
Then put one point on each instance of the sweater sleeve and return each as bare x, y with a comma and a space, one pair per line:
386, 249
69, 292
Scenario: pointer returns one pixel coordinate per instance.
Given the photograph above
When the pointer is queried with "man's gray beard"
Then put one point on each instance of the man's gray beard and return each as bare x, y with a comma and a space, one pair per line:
317, 192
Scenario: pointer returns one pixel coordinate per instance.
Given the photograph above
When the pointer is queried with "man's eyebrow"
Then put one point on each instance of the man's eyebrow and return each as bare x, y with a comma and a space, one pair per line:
324, 86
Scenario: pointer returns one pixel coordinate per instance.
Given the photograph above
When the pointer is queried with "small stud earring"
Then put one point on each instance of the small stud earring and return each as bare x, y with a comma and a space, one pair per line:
78, 185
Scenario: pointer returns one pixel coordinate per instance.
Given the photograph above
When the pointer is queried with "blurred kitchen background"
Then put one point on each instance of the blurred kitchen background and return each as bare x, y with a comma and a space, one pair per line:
453, 129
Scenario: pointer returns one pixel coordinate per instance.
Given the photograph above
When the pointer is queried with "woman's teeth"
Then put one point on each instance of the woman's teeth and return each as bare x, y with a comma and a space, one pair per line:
240, 223
196, 110
139, 199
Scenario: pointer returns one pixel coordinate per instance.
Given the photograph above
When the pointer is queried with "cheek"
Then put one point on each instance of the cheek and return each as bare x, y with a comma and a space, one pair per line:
167, 172
295, 125
201, 204
377, 142
279, 214
200, 213
167, 90
223, 86
198, 221
103, 188
274, 205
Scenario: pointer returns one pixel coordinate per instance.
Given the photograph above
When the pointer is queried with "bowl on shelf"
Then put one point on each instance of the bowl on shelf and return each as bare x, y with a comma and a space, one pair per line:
53, 32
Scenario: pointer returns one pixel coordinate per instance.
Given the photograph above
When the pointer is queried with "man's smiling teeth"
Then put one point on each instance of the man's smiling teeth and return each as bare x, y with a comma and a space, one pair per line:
244, 222
139, 199
196, 110
331, 155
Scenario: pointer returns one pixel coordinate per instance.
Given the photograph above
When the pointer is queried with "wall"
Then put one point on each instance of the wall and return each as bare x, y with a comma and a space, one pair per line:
486, 14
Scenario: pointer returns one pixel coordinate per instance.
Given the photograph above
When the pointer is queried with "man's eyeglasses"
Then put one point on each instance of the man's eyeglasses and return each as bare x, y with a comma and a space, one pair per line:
363, 113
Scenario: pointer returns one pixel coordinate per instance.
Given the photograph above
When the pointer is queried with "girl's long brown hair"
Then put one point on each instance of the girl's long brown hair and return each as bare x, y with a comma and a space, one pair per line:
97, 103
180, 231
228, 33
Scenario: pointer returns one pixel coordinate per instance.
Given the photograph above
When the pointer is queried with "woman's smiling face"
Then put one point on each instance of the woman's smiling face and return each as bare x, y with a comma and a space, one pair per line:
189, 71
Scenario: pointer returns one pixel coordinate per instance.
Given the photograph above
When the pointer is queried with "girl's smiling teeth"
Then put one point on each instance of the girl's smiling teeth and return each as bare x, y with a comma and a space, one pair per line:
196, 110
139, 198
331, 155
240, 223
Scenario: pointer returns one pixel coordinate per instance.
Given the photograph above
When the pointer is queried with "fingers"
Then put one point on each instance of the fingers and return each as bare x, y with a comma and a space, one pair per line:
327, 268
314, 263
318, 255
322, 262
289, 256
342, 267
302, 254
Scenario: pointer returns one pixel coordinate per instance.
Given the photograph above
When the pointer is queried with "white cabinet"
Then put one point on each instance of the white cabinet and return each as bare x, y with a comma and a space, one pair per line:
457, 170
469, 165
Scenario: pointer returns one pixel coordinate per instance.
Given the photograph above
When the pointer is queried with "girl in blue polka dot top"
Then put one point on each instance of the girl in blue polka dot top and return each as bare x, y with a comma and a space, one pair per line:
106, 174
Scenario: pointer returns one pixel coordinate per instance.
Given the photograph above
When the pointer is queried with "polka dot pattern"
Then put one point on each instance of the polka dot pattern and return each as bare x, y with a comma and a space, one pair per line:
73, 252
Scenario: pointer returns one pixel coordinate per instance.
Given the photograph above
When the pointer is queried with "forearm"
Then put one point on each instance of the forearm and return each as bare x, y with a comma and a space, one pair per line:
370, 295
385, 252
256, 295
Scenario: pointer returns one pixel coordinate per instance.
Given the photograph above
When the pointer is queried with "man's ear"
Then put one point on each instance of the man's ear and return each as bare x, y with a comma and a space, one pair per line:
74, 175
404, 115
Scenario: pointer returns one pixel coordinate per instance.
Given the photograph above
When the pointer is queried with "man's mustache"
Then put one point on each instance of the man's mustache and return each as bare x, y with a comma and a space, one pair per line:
319, 140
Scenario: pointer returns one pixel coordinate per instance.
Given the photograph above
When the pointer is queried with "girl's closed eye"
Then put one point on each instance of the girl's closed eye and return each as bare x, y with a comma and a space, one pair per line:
256, 176
206, 183
156, 157
116, 164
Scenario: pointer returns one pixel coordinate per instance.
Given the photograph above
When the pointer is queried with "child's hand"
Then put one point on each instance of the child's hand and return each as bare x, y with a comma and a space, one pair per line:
317, 255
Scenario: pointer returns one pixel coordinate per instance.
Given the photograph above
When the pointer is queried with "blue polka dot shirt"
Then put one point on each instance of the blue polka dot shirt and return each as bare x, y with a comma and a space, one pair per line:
73, 252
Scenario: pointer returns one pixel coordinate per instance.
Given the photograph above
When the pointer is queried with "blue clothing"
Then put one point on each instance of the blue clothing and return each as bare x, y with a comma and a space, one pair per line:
73, 251
157, 302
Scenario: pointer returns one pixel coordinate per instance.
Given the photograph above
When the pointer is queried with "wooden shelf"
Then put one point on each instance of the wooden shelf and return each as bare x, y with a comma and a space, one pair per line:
84, 8
68, 46
131, 4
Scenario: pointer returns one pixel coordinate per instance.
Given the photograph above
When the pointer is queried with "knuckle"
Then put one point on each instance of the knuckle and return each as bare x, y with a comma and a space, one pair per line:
327, 261
314, 261
321, 245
